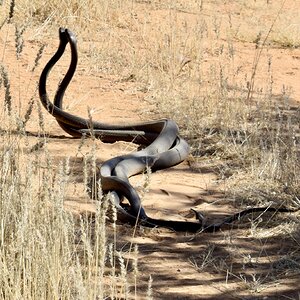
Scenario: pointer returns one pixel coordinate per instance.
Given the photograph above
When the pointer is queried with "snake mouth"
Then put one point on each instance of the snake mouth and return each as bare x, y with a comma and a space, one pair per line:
66, 36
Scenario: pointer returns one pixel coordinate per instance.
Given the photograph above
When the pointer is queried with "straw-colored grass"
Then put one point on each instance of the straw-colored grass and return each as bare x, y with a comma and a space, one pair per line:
183, 55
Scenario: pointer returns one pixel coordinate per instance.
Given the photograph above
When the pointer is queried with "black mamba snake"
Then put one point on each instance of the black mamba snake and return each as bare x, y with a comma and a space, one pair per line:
163, 148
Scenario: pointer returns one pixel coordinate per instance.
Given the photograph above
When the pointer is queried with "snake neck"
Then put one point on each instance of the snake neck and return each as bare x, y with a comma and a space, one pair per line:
58, 99
54, 59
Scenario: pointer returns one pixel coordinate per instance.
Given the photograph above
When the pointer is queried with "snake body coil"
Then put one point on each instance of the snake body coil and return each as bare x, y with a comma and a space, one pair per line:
163, 147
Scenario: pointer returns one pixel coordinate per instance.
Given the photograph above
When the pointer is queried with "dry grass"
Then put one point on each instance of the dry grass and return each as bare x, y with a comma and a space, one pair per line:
46, 252
189, 68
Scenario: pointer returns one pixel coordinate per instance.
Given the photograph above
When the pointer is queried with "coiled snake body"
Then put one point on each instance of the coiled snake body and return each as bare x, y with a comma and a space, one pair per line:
163, 147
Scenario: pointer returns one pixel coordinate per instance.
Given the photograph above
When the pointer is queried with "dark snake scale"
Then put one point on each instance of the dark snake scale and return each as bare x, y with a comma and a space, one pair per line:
162, 148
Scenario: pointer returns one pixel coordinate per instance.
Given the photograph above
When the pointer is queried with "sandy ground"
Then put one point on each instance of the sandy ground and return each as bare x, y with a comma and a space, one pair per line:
176, 261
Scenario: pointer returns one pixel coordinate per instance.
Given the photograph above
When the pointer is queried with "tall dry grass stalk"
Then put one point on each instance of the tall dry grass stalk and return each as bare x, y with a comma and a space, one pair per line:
6, 84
